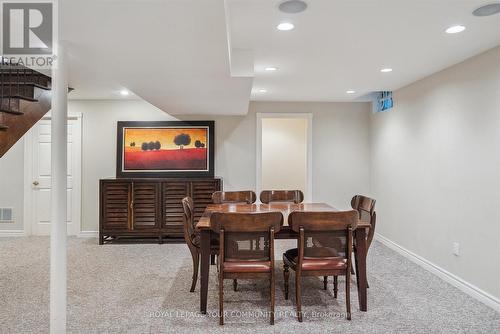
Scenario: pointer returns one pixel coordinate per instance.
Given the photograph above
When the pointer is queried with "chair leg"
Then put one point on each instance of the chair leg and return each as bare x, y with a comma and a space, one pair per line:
298, 295
348, 295
335, 286
286, 276
212, 259
196, 264
325, 282
235, 284
221, 300
272, 297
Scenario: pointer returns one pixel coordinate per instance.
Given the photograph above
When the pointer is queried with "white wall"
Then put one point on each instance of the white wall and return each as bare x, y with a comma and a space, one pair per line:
339, 129
284, 153
12, 185
436, 169
340, 150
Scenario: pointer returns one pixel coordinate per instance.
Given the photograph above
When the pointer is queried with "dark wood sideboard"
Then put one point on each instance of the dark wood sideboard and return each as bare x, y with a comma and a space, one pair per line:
150, 207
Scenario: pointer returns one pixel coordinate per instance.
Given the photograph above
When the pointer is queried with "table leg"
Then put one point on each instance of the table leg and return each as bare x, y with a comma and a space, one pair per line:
360, 255
205, 269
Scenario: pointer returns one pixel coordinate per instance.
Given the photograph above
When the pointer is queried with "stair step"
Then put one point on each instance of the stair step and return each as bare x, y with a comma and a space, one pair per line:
21, 97
13, 112
3, 127
25, 83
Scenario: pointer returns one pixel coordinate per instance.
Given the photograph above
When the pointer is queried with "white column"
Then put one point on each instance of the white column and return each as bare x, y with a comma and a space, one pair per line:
58, 231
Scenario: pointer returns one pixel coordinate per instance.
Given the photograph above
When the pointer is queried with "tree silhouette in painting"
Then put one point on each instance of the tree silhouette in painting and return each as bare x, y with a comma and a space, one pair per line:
132, 144
199, 144
157, 145
182, 140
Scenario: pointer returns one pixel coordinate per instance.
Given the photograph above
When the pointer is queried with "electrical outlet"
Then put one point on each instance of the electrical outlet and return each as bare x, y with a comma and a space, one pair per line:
456, 249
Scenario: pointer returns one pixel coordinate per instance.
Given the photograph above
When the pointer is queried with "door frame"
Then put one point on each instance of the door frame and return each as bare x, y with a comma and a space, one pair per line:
29, 142
308, 117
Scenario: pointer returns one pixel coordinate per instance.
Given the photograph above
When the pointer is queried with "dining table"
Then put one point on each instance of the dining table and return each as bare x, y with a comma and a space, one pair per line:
204, 228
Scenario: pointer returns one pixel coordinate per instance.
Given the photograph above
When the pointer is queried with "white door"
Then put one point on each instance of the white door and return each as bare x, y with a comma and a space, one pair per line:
284, 152
41, 192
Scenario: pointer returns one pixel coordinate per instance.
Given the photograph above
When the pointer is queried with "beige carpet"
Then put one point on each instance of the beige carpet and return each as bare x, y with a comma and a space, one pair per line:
144, 288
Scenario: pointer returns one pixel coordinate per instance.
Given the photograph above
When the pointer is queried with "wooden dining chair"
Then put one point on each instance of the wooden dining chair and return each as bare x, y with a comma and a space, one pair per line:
192, 238
236, 258
324, 249
293, 196
234, 197
366, 210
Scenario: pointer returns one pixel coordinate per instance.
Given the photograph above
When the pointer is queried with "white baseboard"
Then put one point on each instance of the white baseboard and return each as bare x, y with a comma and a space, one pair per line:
448, 277
88, 234
12, 233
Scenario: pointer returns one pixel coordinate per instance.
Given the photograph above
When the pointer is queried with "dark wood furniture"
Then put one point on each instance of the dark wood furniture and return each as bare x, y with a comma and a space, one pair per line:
271, 196
285, 233
192, 238
366, 209
323, 249
140, 208
235, 197
237, 257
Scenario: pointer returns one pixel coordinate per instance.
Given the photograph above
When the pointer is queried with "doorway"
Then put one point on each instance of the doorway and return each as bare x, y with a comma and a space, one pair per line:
38, 177
284, 154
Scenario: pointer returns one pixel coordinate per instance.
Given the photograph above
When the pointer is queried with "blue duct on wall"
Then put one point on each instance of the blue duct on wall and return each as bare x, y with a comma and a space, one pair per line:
383, 101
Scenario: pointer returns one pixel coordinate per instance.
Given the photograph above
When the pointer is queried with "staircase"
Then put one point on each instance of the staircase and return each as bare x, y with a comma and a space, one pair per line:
25, 97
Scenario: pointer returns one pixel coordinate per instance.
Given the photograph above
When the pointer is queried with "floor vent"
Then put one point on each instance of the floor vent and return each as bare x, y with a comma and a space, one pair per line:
6, 215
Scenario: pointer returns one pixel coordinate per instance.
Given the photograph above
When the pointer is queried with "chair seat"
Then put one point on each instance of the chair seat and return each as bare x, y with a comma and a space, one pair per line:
247, 266
325, 263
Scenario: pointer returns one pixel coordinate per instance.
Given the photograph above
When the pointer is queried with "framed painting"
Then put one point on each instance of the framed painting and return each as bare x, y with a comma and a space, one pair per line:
165, 149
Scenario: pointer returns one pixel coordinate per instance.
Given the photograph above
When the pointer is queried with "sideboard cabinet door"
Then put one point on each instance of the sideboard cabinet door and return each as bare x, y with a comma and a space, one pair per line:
115, 205
146, 205
202, 191
173, 193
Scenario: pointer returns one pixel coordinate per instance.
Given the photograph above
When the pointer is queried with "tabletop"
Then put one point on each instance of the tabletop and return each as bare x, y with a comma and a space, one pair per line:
284, 208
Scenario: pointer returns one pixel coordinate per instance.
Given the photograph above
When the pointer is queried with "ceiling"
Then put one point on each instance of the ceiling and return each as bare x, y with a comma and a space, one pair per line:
208, 57
171, 53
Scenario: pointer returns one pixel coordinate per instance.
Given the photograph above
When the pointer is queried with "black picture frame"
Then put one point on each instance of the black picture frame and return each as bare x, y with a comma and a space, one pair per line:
121, 172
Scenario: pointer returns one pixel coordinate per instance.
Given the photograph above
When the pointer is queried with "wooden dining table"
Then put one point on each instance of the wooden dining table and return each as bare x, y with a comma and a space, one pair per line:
204, 228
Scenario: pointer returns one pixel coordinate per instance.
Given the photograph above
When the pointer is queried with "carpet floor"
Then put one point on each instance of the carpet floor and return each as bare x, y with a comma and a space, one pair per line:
144, 288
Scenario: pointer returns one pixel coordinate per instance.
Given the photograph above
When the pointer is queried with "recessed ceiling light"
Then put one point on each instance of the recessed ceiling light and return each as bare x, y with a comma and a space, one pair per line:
271, 68
386, 70
124, 92
293, 6
351, 92
285, 26
262, 90
487, 10
455, 29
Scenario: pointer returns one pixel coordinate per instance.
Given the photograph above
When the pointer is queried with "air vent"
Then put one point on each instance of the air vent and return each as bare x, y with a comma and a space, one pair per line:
6, 215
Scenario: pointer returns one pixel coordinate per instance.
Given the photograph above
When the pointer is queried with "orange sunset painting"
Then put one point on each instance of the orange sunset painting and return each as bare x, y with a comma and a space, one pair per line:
159, 149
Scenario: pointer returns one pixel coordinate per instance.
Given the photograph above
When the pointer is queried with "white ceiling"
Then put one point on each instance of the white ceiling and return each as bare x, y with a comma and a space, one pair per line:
339, 45
175, 53
171, 53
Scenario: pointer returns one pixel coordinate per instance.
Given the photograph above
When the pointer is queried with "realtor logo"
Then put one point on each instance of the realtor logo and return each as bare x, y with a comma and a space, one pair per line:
27, 28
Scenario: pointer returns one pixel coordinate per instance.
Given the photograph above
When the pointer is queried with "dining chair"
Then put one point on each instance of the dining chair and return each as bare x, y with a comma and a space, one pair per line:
323, 249
269, 196
192, 238
234, 197
236, 258
366, 210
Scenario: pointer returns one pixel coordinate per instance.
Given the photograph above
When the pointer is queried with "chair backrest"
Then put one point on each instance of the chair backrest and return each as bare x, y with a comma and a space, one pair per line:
235, 197
364, 205
188, 220
324, 234
246, 236
269, 196
366, 209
